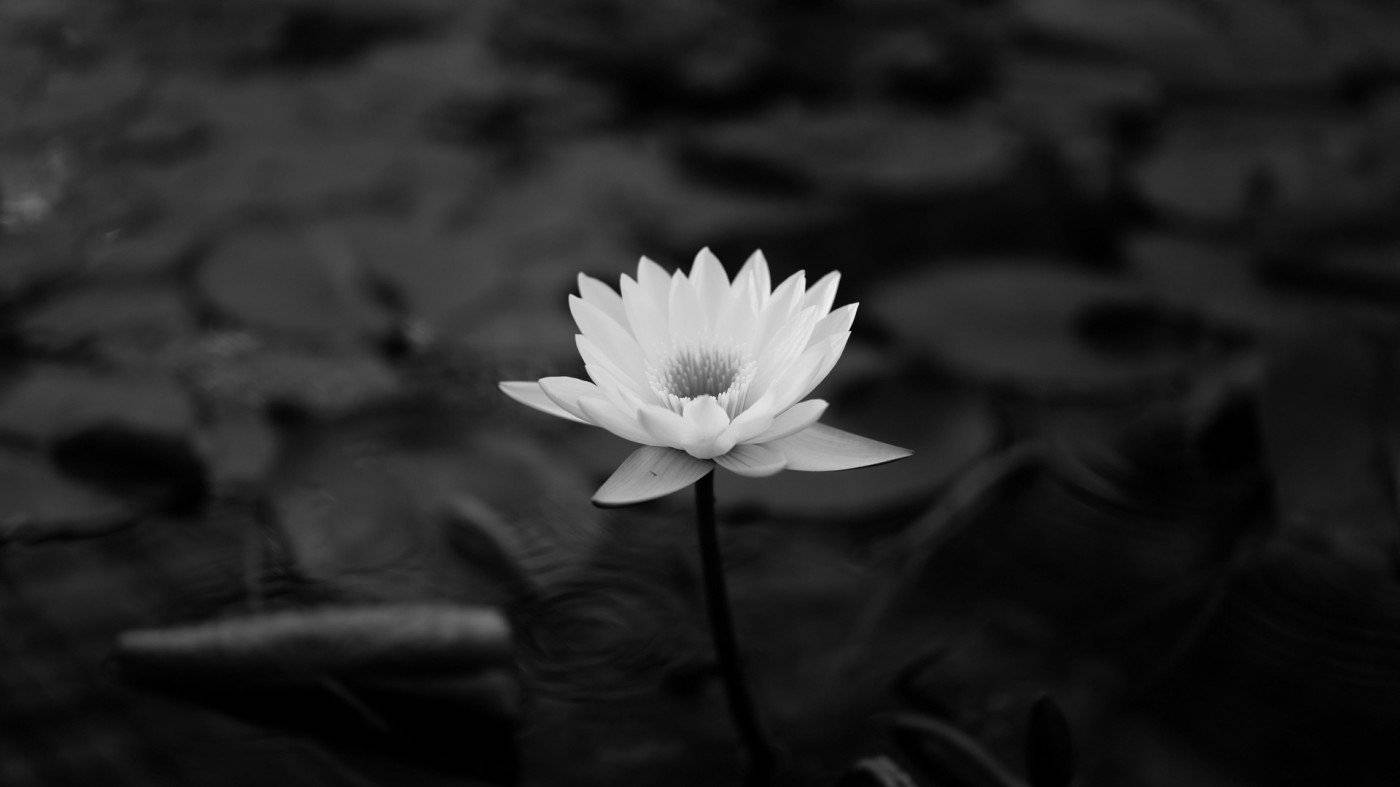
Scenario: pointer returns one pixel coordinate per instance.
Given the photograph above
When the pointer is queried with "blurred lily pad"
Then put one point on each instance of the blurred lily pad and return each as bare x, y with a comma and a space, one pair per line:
50, 402
303, 284
414, 503
37, 503
242, 370
859, 154
1324, 418
427, 685
137, 316
1035, 328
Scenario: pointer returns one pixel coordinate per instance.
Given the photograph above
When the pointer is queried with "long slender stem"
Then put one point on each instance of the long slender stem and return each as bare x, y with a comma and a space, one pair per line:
741, 710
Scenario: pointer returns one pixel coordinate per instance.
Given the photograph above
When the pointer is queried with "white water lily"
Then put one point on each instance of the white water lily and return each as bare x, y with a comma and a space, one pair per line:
703, 371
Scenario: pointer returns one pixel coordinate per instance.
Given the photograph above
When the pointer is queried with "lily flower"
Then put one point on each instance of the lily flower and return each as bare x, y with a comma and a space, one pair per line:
704, 371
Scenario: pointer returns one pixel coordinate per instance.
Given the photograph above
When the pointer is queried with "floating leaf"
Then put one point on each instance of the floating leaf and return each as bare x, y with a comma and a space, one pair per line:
297, 646
307, 284
413, 502
1028, 325
50, 402
140, 316
38, 504
426, 684
1319, 410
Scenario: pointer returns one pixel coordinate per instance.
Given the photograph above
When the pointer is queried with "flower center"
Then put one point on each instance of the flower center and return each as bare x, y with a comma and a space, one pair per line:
696, 372
690, 372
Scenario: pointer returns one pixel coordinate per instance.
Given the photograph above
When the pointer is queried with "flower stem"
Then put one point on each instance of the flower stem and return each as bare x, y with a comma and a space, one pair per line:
726, 649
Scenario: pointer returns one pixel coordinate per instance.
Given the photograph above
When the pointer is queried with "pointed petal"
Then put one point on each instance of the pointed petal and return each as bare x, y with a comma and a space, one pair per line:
792, 420
598, 410
666, 425
711, 425
654, 280
592, 356
754, 461
834, 323
610, 338
821, 448
646, 318
755, 418
616, 391
737, 314
823, 294
566, 393
781, 309
530, 394
784, 348
687, 320
835, 345
711, 283
756, 270
649, 473
604, 297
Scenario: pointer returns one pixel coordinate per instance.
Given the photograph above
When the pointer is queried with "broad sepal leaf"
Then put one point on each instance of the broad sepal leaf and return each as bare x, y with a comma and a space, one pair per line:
823, 448
650, 472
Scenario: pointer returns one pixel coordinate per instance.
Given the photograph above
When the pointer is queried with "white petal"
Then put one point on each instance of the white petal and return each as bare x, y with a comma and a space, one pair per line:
781, 308
834, 323
592, 356
655, 282
830, 355
604, 297
647, 319
792, 420
794, 384
756, 271
737, 315
687, 321
618, 392
567, 391
783, 349
711, 424
610, 338
754, 461
753, 419
600, 411
823, 294
821, 448
530, 394
667, 426
711, 283
650, 473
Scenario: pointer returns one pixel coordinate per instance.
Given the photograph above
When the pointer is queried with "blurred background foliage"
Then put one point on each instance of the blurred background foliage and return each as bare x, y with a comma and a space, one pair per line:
1130, 285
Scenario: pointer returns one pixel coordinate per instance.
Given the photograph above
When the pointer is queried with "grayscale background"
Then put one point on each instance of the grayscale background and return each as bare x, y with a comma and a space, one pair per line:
1129, 274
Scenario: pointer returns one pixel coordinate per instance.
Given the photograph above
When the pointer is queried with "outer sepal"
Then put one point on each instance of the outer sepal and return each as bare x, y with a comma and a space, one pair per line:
650, 472
822, 448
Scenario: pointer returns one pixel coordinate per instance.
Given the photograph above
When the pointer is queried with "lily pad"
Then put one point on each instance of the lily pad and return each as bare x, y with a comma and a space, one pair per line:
1323, 416
1028, 325
242, 370
861, 154
40, 504
427, 685
309, 284
411, 503
51, 402
136, 316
